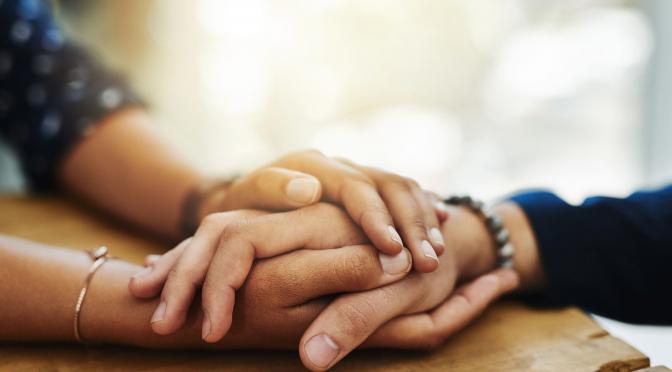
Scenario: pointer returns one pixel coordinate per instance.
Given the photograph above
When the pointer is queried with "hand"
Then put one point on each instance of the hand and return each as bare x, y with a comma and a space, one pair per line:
351, 319
280, 298
222, 251
267, 188
284, 294
416, 312
379, 202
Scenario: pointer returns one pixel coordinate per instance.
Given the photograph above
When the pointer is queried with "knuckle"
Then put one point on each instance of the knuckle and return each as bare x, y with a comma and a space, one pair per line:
189, 277
387, 295
356, 182
411, 183
211, 221
463, 300
354, 272
234, 230
355, 318
394, 180
275, 285
372, 215
417, 222
173, 275
312, 153
172, 282
300, 157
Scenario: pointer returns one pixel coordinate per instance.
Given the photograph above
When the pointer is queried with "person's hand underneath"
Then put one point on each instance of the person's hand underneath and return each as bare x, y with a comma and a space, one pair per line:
381, 203
421, 310
222, 251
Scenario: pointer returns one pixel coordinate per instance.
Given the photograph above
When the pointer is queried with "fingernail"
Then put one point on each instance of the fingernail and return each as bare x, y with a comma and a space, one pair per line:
395, 235
144, 272
441, 206
302, 190
205, 331
428, 250
436, 236
159, 313
321, 350
395, 264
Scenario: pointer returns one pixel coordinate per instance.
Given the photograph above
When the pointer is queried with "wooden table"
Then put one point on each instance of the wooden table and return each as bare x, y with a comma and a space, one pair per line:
509, 337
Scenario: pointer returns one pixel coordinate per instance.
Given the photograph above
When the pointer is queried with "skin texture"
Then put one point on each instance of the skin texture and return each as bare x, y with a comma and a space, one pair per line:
224, 249
283, 297
352, 319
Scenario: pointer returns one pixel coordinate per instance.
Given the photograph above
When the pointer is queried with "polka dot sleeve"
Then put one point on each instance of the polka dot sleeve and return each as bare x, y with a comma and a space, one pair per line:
52, 93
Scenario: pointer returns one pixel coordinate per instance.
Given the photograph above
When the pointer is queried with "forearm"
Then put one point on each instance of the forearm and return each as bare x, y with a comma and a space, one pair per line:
124, 168
39, 286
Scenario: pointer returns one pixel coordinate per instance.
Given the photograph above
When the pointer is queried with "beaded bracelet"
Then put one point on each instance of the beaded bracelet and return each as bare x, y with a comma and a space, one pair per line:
494, 224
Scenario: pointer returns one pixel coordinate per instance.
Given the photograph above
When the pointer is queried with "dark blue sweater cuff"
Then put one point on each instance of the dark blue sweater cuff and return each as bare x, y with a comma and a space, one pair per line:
609, 256
572, 242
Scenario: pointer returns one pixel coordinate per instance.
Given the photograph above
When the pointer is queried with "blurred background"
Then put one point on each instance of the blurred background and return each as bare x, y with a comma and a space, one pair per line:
463, 95
469, 95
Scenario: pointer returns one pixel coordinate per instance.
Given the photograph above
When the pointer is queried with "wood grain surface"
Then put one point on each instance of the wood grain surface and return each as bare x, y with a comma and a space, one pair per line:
508, 337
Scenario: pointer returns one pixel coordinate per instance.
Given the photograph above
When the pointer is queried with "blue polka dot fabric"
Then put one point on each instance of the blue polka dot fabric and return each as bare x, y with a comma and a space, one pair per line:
52, 92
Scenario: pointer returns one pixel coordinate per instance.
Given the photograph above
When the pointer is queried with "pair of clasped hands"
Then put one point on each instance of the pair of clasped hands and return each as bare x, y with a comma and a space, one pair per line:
328, 253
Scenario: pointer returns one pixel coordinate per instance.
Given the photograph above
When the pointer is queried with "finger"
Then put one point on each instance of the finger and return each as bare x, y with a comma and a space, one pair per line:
431, 329
355, 191
439, 206
307, 275
350, 319
266, 237
430, 219
150, 259
185, 277
148, 282
411, 214
273, 188
408, 215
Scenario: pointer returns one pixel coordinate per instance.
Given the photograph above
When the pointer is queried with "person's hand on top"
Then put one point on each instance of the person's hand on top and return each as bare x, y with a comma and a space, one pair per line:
393, 211
220, 255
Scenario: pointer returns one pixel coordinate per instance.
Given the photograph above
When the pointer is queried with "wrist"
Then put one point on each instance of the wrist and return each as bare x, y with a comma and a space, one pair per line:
205, 197
476, 251
212, 202
526, 257
112, 316
467, 234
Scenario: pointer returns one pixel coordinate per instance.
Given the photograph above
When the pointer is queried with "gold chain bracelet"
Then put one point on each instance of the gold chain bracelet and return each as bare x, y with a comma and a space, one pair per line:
99, 257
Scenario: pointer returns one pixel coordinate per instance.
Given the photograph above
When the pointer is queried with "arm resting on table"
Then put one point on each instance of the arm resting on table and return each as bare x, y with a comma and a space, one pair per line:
39, 286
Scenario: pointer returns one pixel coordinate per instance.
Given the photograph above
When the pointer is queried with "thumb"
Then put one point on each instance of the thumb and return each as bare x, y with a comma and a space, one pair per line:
273, 188
431, 329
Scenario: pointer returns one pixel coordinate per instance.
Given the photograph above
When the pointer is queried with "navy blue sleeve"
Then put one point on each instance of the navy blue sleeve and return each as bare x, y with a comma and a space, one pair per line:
610, 256
52, 93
